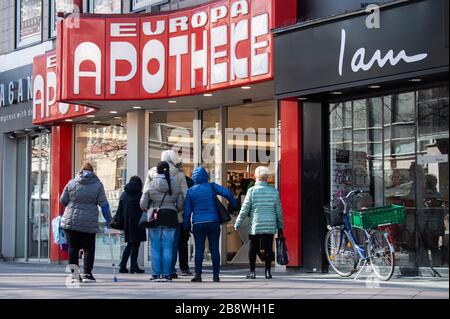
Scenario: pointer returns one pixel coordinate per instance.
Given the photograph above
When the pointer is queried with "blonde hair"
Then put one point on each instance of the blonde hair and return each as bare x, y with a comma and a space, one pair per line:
87, 167
262, 173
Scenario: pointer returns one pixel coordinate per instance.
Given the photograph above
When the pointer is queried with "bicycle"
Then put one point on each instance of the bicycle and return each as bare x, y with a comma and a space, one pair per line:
346, 256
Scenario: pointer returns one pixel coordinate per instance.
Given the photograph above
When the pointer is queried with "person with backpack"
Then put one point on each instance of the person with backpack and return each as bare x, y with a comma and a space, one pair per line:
81, 198
262, 206
200, 205
166, 197
129, 209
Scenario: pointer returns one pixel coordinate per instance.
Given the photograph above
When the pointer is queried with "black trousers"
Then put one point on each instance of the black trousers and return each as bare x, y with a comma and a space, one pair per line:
183, 250
267, 240
79, 240
133, 250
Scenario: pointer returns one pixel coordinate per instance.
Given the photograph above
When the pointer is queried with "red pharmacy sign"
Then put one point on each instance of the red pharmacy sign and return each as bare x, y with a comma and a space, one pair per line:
145, 56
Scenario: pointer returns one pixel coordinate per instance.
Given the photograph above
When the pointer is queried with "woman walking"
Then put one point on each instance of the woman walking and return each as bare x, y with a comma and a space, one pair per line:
200, 204
81, 198
263, 208
131, 211
165, 194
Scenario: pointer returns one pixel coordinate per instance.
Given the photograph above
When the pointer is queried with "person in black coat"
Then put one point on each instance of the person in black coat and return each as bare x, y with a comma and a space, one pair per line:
134, 235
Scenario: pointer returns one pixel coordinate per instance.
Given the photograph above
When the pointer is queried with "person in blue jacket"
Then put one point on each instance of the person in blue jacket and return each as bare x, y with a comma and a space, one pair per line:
200, 210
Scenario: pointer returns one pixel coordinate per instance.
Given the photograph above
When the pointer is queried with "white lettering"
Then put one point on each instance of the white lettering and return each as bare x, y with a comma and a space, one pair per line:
218, 13
179, 22
260, 27
239, 8
219, 71
199, 59
160, 28
199, 19
11, 95
178, 47
38, 88
88, 51
153, 50
2, 95
239, 66
123, 29
123, 51
51, 86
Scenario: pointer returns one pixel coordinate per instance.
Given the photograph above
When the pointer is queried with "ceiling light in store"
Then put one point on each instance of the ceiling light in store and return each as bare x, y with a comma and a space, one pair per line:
374, 86
68, 120
137, 107
246, 87
113, 112
95, 122
117, 117
302, 98
415, 80
172, 101
91, 116
207, 94
336, 93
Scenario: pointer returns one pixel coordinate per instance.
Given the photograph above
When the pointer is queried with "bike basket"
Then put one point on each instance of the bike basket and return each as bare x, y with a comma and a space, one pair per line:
377, 216
333, 216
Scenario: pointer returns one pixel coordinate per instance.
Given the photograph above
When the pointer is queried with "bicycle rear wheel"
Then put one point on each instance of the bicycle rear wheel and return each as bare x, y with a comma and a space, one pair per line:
340, 252
382, 261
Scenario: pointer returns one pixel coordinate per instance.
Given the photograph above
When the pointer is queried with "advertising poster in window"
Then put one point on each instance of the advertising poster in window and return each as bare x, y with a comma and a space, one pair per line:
106, 6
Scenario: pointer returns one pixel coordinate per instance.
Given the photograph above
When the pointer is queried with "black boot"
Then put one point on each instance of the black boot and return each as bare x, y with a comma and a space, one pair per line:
123, 269
136, 270
268, 274
251, 275
197, 278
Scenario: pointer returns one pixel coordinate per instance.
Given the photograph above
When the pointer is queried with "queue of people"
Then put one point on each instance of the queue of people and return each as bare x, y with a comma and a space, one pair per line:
182, 206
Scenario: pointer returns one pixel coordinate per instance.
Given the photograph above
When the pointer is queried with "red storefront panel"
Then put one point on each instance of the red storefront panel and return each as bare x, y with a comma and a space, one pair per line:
45, 87
83, 51
290, 177
239, 42
154, 64
123, 68
200, 41
216, 46
179, 62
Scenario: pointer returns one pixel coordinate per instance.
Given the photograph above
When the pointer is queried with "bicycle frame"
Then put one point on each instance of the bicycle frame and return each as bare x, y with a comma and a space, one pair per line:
361, 251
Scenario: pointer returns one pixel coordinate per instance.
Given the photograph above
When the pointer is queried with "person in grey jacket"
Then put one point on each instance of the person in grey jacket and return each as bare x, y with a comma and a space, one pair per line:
81, 198
163, 194
177, 174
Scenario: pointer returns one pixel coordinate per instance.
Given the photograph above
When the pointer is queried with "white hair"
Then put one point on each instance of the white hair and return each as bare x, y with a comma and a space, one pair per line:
262, 172
170, 156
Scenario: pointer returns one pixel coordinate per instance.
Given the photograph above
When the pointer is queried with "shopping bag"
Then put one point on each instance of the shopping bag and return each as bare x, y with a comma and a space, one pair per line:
282, 251
117, 221
59, 236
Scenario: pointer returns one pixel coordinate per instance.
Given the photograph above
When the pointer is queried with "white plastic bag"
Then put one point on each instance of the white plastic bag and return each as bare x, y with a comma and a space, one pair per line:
59, 236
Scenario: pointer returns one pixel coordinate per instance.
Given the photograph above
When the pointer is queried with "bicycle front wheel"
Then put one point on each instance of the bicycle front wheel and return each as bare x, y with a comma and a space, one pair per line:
382, 256
340, 252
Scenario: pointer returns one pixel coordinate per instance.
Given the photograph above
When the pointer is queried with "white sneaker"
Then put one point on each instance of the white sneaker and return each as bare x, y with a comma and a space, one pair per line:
89, 279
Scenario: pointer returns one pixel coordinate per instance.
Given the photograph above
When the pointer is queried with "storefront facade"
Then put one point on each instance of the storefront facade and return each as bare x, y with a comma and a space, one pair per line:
176, 84
25, 175
373, 107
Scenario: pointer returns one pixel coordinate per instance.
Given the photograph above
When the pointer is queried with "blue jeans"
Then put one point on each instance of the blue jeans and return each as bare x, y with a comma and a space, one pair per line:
176, 240
161, 242
211, 231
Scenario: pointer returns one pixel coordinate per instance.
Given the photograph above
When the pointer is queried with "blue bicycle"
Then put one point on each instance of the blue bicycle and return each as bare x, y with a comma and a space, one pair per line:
345, 255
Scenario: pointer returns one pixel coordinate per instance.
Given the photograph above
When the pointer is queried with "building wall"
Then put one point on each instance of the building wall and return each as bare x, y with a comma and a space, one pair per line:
315, 9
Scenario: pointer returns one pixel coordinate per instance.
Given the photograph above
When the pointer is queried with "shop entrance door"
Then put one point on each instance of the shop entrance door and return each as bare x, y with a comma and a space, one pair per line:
39, 198
250, 141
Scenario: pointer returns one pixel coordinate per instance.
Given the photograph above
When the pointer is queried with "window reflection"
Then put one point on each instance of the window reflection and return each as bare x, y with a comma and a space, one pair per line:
398, 150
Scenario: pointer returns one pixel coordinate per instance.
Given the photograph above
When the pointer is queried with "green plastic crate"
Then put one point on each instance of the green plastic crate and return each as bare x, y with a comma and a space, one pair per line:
378, 216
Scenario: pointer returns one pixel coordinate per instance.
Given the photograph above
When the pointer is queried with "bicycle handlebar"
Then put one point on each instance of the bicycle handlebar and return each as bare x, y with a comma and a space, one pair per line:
351, 194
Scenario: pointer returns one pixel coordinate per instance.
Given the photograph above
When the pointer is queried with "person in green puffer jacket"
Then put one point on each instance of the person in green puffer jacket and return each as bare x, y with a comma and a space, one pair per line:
262, 206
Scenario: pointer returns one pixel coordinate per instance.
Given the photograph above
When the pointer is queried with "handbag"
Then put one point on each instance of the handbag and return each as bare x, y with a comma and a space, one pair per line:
117, 222
224, 214
150, 216
282, 251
